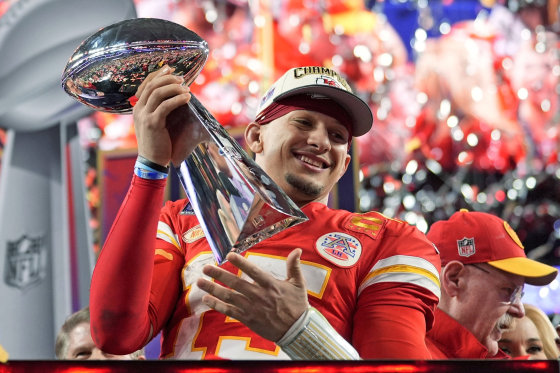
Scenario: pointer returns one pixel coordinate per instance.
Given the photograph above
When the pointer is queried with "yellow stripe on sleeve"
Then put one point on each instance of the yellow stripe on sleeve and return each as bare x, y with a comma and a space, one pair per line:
165, 254
165, 233
403, 268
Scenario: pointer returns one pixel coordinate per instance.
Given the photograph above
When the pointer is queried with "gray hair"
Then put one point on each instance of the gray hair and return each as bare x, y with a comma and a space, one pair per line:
63, 338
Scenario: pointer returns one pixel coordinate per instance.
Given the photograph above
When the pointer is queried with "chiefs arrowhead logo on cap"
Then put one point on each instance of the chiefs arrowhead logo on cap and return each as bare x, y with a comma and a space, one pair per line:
513, 235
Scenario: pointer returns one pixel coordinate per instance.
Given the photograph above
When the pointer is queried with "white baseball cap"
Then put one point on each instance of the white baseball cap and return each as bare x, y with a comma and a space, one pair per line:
323, 82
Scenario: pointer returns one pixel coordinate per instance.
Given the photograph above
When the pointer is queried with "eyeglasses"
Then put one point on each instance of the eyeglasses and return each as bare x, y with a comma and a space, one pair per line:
515, 295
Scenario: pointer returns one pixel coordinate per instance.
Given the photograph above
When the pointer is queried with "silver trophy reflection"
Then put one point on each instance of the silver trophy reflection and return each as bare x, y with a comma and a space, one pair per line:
236, 203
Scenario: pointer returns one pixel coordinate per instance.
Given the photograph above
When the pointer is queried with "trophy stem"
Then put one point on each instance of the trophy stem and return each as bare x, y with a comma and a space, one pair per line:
236, 203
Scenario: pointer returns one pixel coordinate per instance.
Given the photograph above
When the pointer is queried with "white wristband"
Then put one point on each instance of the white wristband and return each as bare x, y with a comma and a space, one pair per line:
312, 337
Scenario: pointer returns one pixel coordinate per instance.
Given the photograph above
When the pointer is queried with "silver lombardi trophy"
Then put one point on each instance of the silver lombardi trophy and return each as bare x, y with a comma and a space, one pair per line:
236, 203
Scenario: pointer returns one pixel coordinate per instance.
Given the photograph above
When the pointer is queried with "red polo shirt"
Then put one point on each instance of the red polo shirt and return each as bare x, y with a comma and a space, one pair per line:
450, 340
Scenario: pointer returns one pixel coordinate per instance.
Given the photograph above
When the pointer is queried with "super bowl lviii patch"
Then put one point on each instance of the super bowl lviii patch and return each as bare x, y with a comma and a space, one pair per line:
339, 248
187, 210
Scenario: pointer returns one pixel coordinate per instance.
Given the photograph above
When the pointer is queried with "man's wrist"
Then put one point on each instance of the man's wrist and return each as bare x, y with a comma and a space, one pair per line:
152, 165
313, 338
294, 330
146, 169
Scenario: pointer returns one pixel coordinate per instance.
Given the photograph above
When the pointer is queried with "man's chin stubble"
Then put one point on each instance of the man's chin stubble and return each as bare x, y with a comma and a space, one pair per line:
308, 188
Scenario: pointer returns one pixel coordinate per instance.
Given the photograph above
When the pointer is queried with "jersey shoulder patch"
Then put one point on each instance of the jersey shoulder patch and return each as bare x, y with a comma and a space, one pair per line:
339, 248
371, 223
194, 234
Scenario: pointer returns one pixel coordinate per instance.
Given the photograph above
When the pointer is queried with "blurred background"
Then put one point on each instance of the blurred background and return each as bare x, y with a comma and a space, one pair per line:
464, 93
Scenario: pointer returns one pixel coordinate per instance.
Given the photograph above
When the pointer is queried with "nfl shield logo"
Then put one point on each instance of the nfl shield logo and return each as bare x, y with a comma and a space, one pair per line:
25, 262
466, 247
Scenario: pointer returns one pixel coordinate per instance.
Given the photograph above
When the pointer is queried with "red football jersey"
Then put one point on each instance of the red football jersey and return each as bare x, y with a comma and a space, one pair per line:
364, 272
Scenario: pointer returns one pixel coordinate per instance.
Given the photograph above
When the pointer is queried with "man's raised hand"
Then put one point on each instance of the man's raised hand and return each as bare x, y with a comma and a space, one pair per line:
268, 306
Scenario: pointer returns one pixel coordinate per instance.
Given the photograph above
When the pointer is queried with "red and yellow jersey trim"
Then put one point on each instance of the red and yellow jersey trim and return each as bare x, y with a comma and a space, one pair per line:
406, 269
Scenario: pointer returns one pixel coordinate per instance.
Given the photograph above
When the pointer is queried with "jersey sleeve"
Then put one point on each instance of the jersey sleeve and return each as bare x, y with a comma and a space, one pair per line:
391, 322
397, 294
121, 281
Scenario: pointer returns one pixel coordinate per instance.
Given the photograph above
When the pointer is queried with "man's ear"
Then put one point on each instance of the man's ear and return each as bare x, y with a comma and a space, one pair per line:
346, 163
253, 137
453, 278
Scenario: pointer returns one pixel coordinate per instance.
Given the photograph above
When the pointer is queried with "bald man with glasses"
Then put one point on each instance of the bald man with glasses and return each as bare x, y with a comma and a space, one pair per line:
484, 269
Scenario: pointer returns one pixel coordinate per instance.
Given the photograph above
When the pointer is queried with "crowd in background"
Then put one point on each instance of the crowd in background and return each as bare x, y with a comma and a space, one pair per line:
465, 104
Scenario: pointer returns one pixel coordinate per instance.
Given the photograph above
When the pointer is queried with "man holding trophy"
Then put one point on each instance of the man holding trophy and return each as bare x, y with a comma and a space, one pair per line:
374, 279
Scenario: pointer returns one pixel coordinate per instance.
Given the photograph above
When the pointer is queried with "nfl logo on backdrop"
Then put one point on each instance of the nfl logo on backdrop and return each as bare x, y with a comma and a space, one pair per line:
466, 247
25, 264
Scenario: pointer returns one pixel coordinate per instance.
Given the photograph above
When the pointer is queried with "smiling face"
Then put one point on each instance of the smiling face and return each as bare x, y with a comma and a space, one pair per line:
305, 153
